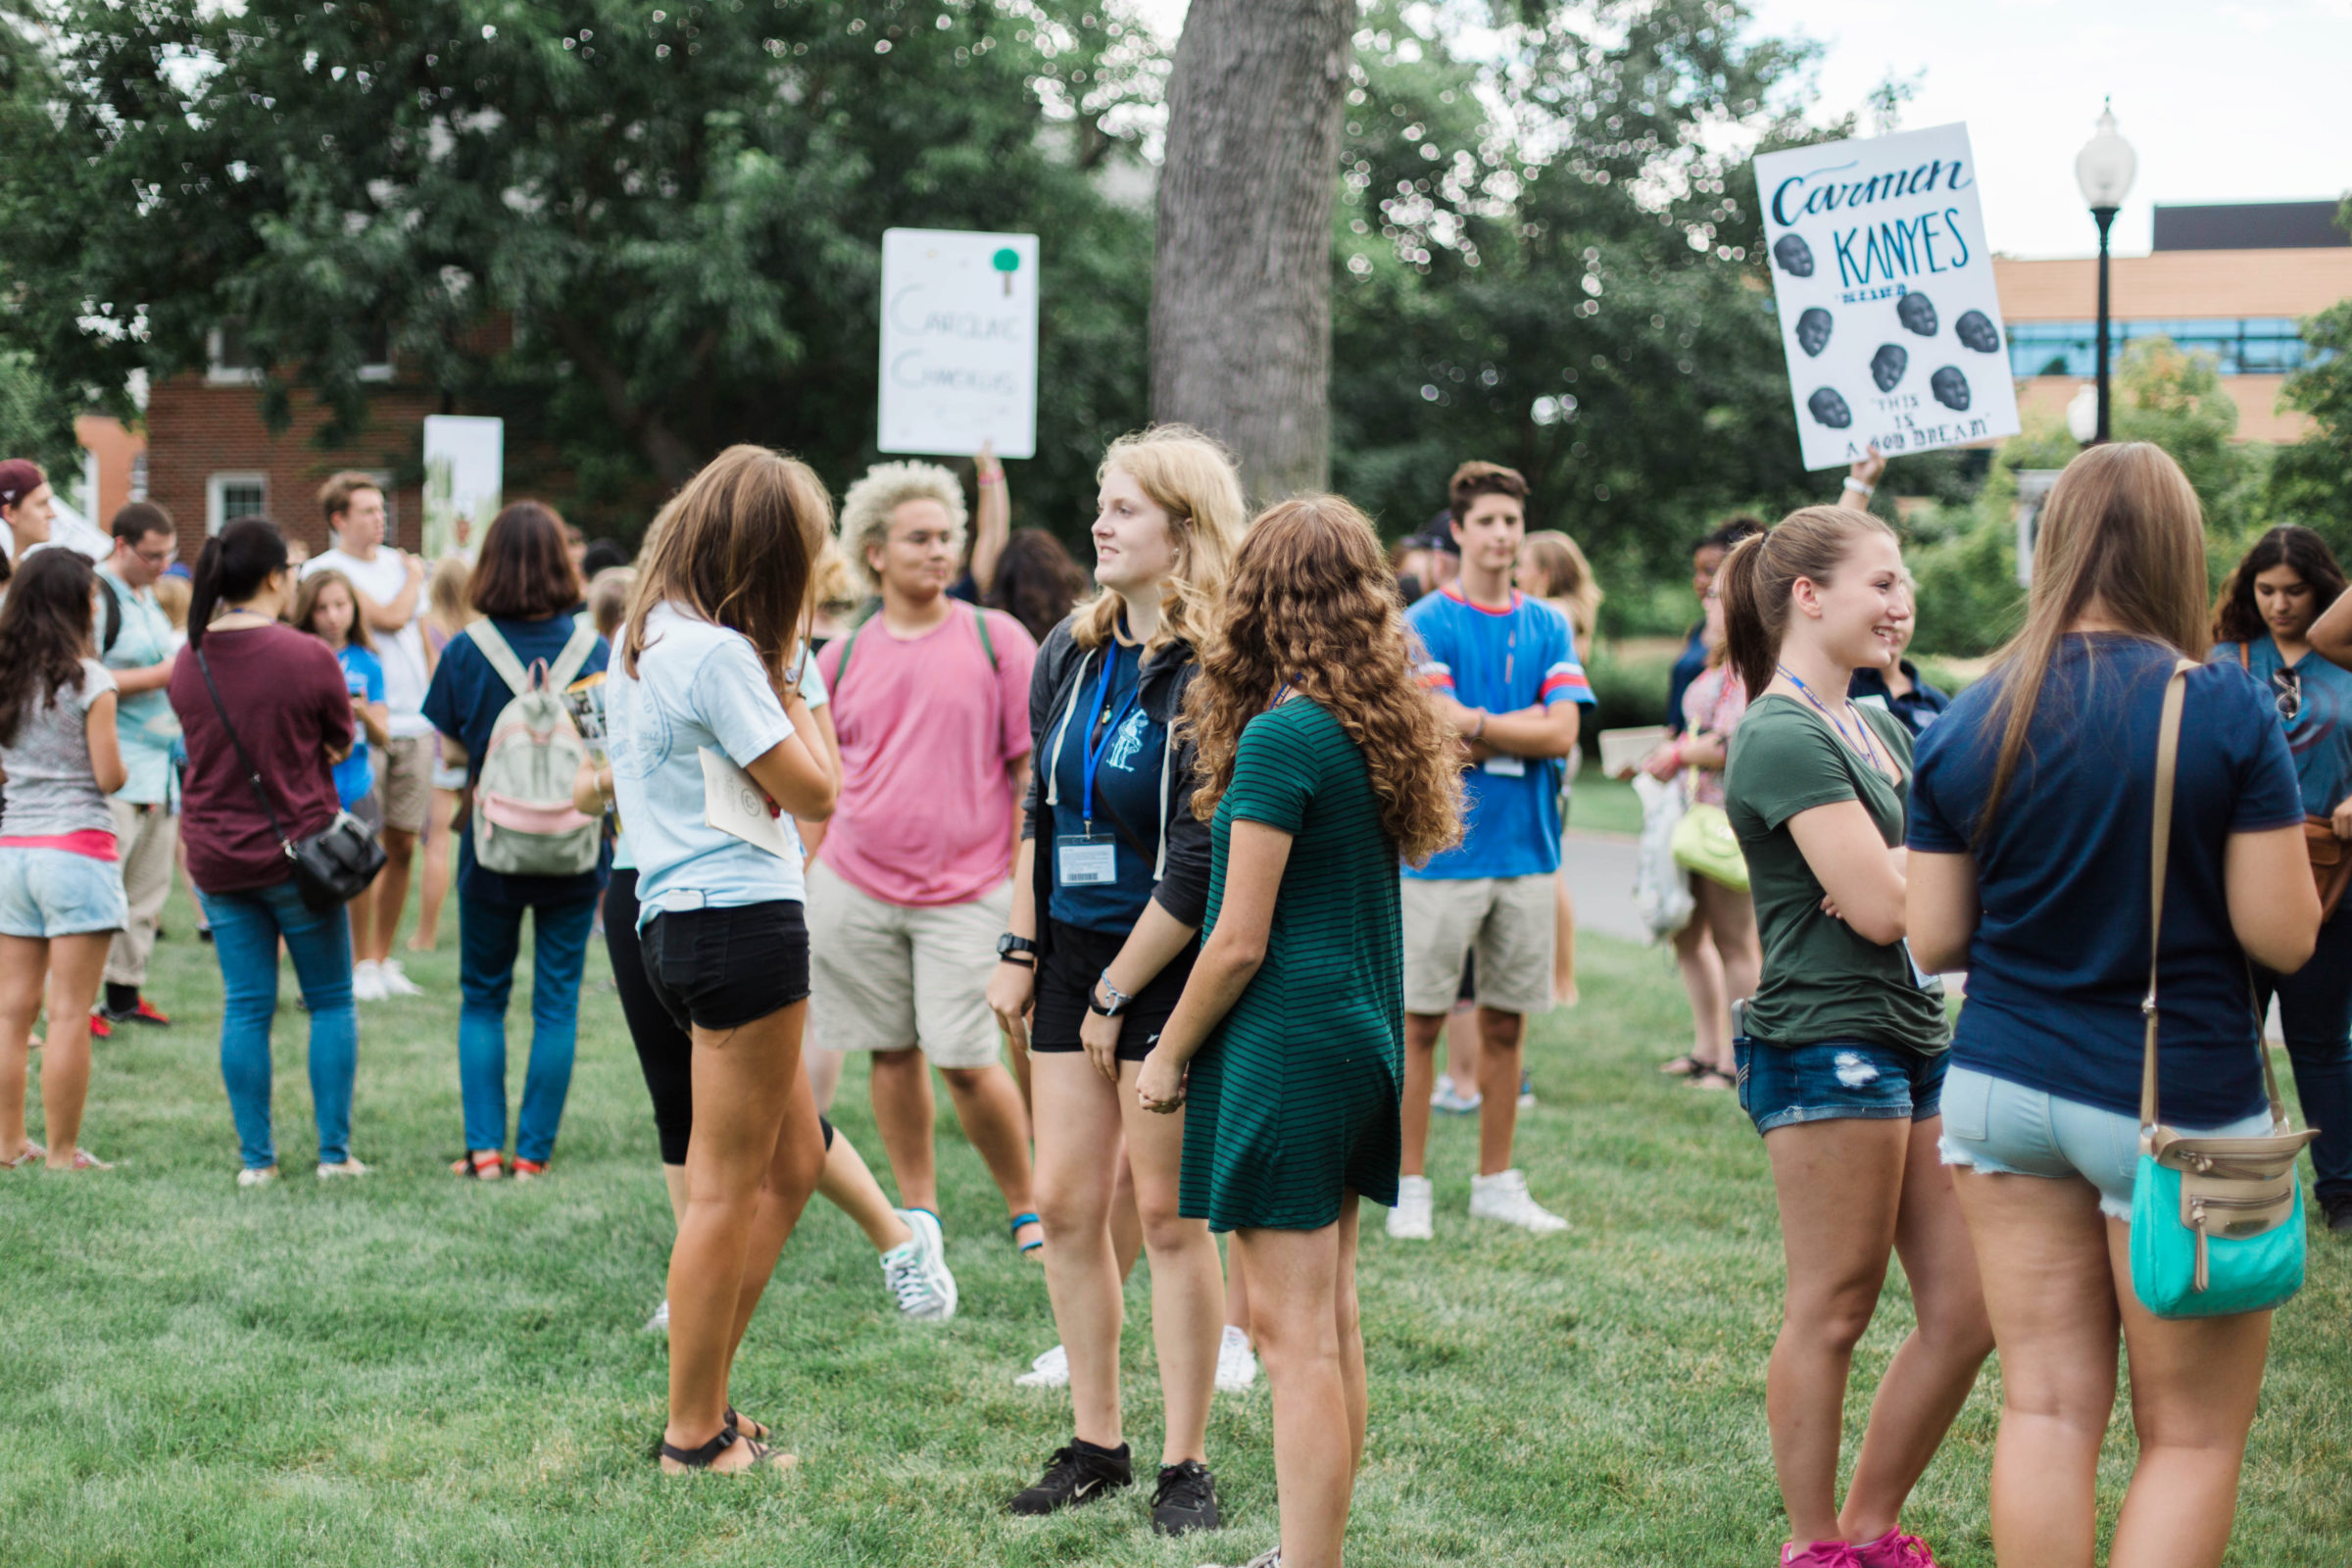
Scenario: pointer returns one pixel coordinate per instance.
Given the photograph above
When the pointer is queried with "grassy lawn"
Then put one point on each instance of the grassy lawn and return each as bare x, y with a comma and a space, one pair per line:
411, 1369
1599, 804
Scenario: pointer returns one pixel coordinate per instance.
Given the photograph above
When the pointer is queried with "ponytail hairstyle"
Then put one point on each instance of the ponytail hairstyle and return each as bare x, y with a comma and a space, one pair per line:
1758, 575
44, 632
2123, 534
738, 548
1193, 480
234, 564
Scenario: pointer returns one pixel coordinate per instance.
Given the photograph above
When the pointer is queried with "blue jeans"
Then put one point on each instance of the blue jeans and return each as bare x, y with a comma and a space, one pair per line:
2315, 1007
489, 935
246, 927
1832, 1080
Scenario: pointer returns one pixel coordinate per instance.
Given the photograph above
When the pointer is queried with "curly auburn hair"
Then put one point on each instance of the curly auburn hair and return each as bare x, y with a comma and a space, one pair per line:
1310, 602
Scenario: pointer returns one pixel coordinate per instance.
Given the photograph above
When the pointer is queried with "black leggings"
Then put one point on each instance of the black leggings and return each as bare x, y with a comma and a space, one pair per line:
665, 1051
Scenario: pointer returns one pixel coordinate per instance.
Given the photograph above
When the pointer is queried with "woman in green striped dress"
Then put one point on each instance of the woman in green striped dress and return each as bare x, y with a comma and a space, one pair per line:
1320, 764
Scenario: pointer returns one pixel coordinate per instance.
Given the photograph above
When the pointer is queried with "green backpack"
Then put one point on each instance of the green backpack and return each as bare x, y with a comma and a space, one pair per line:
525, 823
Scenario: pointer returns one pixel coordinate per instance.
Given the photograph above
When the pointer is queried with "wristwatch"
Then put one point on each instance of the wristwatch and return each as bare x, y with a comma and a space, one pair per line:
1008, 945
1120, 1000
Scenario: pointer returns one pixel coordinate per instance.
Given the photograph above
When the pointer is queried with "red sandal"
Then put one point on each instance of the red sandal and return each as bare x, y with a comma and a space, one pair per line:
482, 1164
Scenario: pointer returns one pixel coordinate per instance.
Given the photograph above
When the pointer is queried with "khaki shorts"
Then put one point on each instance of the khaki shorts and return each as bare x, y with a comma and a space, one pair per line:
1508, 921
406, 781
884, 976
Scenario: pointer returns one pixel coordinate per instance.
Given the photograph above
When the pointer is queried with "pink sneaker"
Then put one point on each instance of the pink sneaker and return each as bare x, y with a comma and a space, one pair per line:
1895, 1549
1822, 1554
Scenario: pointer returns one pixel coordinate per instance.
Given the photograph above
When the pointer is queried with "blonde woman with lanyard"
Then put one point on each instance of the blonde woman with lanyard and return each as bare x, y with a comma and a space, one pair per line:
1109, 893
1841, 1059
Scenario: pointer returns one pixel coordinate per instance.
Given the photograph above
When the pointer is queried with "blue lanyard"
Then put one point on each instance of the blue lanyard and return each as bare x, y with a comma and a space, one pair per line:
1092, 753
1866, 745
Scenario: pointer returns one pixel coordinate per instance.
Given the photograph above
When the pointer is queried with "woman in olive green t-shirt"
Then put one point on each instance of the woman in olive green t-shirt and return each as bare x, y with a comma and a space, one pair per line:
1320, 765
1841, 1055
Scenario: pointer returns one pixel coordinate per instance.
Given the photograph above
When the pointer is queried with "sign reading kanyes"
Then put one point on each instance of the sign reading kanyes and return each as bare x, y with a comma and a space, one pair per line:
958, 342
1886, 293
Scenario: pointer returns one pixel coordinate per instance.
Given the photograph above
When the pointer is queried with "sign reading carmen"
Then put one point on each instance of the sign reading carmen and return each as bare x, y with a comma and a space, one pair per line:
1900, 346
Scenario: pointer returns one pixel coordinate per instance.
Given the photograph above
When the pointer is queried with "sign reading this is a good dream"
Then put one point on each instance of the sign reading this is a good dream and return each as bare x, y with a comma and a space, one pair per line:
1887, 302
958, 342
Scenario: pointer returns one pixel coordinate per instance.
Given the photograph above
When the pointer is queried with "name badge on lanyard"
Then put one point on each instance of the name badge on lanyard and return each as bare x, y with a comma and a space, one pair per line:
1087, 858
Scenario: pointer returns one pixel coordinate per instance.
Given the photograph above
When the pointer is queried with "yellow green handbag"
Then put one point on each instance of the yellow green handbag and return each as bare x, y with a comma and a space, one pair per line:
1704, 842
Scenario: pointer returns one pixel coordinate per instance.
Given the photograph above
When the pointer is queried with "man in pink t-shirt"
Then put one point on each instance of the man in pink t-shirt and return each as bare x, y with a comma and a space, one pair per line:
913, 883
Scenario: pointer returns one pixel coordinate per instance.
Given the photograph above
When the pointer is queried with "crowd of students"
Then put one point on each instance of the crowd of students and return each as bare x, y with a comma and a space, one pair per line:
1263, 773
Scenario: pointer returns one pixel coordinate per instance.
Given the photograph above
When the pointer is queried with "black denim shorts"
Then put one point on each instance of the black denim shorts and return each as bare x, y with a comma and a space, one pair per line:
725, 967
1065, 983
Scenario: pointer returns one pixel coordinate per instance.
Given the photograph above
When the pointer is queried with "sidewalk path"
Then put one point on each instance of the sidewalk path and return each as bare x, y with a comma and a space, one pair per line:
1600, 879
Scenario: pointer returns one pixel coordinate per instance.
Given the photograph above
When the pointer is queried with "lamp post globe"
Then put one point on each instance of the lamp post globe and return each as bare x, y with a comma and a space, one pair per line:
2104, 168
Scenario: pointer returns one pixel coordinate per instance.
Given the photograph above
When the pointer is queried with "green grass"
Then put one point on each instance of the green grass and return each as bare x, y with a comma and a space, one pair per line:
1603, 804
416, 1370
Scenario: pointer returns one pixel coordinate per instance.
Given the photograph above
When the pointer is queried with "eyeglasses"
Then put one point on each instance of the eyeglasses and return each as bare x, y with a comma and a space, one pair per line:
2287, 684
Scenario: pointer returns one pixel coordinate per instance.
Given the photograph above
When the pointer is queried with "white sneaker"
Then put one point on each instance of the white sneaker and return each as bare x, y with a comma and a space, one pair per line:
1409, 1221
1051, 1370
1504, 1197
1236, 1363
395, 979
1447, 1097
257, 1178
916, 1271
658, 1323
349, 1168
368, 981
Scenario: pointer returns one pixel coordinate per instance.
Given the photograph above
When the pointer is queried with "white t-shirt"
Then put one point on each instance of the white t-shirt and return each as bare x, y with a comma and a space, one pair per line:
402, 651
699, 689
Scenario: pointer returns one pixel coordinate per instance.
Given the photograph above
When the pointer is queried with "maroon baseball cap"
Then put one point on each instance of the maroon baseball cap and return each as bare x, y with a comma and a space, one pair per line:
18, 479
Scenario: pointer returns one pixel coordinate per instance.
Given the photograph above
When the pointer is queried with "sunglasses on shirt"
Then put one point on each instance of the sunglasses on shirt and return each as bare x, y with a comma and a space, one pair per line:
2287, 685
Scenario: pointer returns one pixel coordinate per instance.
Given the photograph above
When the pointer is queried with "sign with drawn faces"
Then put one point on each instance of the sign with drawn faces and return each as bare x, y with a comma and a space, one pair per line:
1885, 294
958, 342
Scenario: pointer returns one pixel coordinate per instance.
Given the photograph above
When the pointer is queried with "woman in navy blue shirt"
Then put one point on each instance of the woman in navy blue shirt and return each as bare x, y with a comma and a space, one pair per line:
2030, 815
2265, 616
524, 587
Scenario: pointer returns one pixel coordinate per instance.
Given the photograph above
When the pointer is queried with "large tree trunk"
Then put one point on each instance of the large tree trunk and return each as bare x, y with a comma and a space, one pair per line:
1241, 298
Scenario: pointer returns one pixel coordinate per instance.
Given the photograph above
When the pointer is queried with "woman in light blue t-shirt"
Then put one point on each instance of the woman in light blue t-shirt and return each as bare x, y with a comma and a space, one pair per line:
711, 748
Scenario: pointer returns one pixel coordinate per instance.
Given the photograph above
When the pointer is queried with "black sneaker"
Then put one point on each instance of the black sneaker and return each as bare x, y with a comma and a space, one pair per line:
2339, 1213
1080, 1473
1187, 1499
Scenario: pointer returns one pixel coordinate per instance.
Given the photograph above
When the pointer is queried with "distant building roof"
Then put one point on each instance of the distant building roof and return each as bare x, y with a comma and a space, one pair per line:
2248, 225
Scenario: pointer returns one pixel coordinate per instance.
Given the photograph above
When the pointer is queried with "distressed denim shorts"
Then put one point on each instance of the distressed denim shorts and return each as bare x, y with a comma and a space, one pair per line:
2006, 1129
1850, 1079
57, 893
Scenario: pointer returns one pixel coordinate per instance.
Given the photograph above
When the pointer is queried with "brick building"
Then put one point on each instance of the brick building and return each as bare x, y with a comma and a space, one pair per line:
2232, 281
212, 458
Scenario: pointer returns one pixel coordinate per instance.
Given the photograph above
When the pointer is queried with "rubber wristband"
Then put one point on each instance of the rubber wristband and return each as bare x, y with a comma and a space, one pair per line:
1852, 483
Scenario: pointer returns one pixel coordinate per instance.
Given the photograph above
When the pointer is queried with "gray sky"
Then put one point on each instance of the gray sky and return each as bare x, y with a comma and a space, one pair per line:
2224, 100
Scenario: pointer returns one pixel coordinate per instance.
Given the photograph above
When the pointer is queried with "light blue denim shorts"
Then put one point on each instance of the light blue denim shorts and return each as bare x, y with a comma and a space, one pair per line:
2005, 1129
57, 893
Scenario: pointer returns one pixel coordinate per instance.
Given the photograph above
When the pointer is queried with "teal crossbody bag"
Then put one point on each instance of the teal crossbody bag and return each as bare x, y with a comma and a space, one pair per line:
2217, 1223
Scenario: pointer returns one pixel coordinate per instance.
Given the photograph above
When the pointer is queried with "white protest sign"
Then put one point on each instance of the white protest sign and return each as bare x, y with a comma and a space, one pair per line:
465, 469
958, 342
1885, 285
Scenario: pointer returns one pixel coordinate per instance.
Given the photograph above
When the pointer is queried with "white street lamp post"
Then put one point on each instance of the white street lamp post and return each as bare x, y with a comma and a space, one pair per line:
2104, 168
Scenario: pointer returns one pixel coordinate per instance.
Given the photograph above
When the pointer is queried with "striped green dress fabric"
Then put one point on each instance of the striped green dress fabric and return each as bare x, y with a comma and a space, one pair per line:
1297, 1097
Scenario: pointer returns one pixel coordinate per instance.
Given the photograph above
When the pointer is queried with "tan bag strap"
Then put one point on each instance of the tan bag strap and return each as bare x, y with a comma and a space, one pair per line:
2160, 845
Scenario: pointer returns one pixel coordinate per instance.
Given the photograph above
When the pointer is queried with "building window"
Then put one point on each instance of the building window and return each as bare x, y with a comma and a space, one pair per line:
138, 476
230, 496
379, 360
2239, 346
229, 358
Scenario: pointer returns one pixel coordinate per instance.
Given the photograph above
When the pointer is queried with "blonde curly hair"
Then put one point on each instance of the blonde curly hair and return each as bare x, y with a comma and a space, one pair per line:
872, 502
1310, 603
1193, 479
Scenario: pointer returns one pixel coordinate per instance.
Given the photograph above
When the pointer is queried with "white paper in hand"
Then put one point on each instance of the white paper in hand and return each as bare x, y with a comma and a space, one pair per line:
734, 804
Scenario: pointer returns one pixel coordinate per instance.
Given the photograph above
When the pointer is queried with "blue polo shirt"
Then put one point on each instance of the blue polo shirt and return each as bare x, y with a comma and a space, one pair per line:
2319, 735
2059, 962
1501, 661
